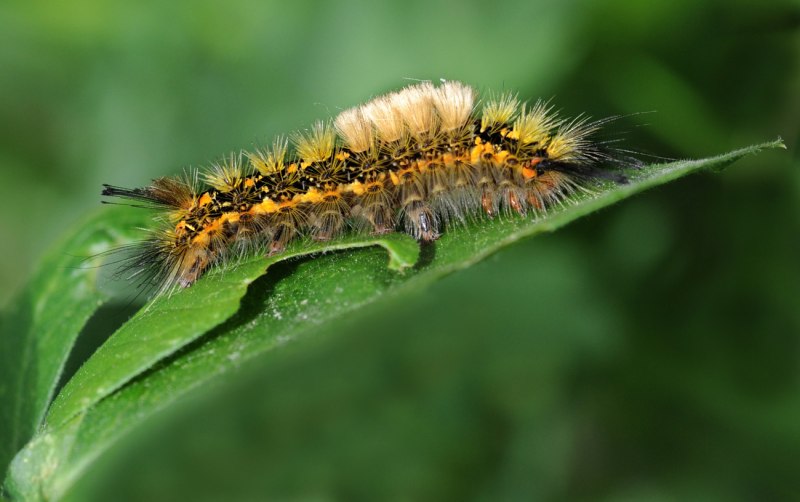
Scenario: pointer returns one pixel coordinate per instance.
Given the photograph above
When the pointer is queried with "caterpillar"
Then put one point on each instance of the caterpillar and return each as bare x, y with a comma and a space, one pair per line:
417, 160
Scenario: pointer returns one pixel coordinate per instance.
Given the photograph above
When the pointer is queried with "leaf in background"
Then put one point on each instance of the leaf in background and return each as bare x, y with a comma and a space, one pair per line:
294, 300
40, 328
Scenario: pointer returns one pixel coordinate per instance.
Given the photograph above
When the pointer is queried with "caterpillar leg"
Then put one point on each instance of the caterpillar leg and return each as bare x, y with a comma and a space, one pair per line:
190, 266
516, 204
283, 235
327, 220
487, 203
381, 221
420, 221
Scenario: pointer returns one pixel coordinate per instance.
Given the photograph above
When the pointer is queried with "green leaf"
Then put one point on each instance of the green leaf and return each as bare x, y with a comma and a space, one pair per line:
171, 322
163, 353
38, 332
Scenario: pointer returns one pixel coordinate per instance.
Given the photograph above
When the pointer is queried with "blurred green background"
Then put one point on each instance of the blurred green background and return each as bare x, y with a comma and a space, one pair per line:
650, 351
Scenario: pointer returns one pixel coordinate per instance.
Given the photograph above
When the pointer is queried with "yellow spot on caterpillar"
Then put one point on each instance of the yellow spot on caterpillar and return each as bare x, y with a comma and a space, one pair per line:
231, 217
481, 151
475, 154
356, 187
202, 239
312, 196
528, 172
267, 206
331, 195
288, 204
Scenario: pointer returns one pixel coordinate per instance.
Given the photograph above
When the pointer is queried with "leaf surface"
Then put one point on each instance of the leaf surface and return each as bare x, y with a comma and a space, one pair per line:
42, 324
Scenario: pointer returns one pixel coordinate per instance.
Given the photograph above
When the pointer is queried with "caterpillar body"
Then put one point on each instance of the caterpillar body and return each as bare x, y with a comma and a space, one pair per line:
417, 160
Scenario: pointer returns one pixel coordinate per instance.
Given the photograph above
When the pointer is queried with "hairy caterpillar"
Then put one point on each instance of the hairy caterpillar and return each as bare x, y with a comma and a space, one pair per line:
419, 159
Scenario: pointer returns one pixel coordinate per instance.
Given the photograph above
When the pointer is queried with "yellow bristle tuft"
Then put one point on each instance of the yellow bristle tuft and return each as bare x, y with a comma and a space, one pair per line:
388, 121
571, 140
226, 174
355, 129
271, 160
454, 102
499, 110
415, 106
316, 144
534, 125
